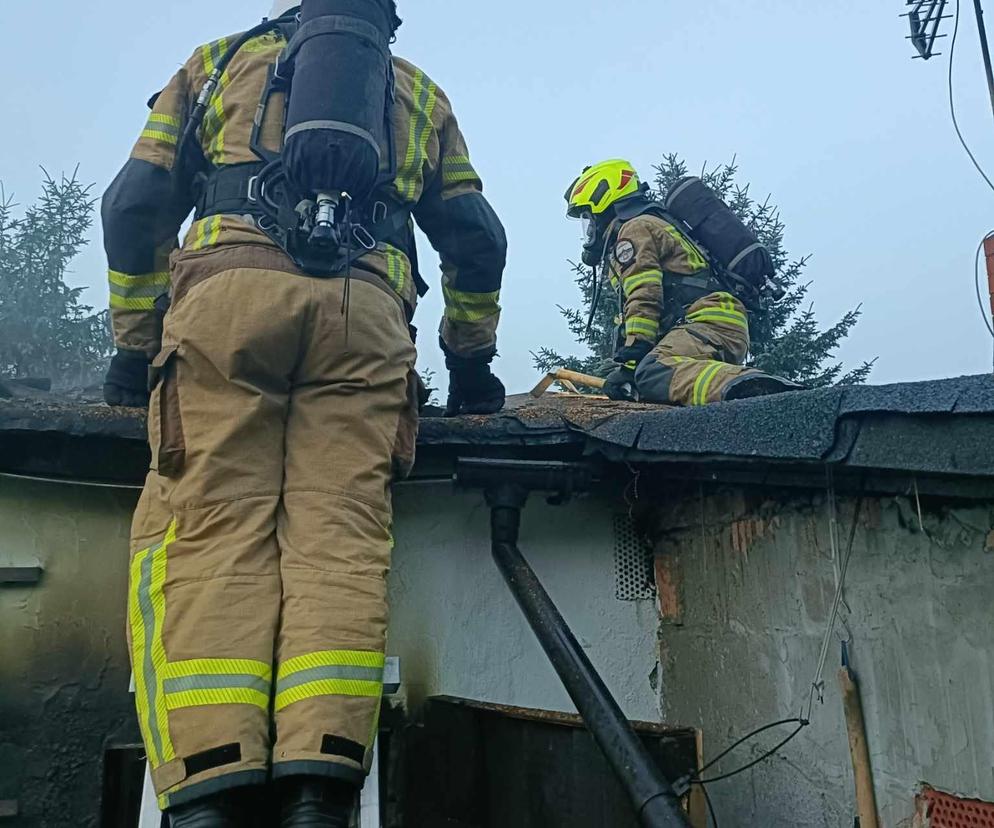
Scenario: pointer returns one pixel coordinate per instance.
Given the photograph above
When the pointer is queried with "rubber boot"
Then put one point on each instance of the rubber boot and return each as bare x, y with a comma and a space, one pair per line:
758, 385
314, 802
223, 810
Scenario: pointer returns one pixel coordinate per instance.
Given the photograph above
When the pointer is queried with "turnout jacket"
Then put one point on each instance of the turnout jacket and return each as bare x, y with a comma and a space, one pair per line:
648, 261
142, 212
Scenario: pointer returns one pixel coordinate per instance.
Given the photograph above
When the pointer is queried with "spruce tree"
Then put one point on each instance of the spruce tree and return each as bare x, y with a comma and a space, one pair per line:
45, 329
786, 338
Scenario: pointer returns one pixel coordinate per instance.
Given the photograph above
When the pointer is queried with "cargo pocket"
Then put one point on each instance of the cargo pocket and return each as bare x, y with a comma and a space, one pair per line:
165, 424
407, 429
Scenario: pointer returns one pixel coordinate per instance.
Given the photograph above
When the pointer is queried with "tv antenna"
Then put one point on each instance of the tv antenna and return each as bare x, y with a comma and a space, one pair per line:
925, 17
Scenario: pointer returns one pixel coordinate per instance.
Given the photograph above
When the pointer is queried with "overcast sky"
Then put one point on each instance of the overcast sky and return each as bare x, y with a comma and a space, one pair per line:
820, 102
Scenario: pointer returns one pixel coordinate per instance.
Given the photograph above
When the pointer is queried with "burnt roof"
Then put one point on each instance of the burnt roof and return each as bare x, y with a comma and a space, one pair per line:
939, 427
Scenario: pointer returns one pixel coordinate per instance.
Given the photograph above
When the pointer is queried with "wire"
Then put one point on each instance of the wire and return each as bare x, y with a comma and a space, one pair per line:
952, 104
88, 484
984, 311
801, 724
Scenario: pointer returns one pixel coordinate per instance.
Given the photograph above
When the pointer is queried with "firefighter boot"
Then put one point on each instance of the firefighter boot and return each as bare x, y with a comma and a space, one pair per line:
315, 802
758, 385
220, 811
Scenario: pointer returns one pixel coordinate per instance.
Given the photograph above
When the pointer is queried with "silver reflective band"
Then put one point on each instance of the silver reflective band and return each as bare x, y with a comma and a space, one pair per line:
751, 248
335, 126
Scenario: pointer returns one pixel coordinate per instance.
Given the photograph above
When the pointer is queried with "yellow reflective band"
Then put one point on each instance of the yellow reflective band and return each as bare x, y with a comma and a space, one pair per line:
208, 231
714, 315
703, 384
409, 172
158, 135
470, 307
140, 304
215, 122
146, 616
217, 696
637, 280
640, 325
356, 673
126, 280
694, 257
457, 168
331, 658
397, 265
329, 687
218, 667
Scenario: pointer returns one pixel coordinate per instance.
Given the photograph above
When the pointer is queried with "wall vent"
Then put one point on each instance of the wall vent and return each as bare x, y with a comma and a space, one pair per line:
633, 558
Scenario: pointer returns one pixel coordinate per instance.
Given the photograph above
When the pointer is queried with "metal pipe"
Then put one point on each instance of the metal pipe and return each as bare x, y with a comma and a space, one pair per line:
985, 48
652, 795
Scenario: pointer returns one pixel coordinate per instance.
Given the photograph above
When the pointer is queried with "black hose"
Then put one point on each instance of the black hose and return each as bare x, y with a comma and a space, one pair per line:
196, 119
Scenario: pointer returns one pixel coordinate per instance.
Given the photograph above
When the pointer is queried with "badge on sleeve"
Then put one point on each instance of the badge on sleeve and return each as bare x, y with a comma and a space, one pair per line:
624, 253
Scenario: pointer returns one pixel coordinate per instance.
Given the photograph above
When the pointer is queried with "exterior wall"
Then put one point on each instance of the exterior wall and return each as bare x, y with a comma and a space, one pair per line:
751, 583
456, 625
64, 671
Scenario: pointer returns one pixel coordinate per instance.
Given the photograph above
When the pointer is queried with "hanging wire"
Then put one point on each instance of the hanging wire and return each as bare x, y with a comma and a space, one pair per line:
952, 102
984, 310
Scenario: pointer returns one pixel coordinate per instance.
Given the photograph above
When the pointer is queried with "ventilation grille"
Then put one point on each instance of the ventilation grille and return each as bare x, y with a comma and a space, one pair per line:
947, 811
633, 559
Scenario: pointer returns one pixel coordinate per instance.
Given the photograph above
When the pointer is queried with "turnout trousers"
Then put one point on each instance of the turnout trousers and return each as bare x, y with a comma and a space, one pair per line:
257, 603
699, 361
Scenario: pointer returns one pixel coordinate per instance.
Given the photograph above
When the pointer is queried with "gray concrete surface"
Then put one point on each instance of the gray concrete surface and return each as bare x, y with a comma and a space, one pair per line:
757, 581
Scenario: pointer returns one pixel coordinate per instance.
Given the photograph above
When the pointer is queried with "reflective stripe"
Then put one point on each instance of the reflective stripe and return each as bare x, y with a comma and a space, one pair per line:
470, 307
732, 317
637, 280
642, 326
146, 614
356, 673
207, 232
136, 292
457, 168
694, 257
215, 121
219, 696
397, 265
409, 172
164, 128
208, 681
704, 381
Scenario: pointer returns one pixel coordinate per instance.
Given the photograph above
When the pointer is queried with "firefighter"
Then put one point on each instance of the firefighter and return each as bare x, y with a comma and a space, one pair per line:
684, 337
282, 406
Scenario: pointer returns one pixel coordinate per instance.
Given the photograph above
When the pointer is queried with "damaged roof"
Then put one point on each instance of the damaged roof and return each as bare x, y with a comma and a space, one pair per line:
939, 427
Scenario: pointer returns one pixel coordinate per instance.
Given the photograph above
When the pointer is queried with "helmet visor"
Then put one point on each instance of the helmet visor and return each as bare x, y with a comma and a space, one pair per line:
589, 226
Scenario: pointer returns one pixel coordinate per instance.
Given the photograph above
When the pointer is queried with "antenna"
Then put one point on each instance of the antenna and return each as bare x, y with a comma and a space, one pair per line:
925, 17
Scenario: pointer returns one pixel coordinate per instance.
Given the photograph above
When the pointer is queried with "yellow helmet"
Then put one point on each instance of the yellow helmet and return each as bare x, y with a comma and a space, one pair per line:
600, 186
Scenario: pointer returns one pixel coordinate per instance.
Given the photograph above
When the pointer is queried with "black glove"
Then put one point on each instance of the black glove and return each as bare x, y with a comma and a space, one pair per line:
633, 353
620, 385
127, 380
473, 388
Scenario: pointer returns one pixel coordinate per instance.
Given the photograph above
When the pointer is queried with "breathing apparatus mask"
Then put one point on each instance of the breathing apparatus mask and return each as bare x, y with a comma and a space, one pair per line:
593, 238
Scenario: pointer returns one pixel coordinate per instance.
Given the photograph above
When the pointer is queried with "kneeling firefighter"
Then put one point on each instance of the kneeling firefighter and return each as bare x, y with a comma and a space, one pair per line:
283, 392
685, 272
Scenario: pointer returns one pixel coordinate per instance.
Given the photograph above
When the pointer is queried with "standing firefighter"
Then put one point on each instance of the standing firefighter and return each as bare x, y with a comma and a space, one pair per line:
686, 329
284, 397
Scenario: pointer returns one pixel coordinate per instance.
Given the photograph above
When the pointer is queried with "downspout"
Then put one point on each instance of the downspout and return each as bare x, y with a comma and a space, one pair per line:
507, 485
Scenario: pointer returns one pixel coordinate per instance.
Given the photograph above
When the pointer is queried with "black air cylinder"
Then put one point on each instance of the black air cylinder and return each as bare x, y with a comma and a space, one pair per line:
336, 113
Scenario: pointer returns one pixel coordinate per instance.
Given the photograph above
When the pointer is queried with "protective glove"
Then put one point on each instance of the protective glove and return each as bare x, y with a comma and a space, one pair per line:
632, 355
620, 384
127, 380
473, 388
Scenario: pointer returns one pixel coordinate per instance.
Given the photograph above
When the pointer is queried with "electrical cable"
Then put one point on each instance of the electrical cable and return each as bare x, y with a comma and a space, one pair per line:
984, 311
952, 102
801, 724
